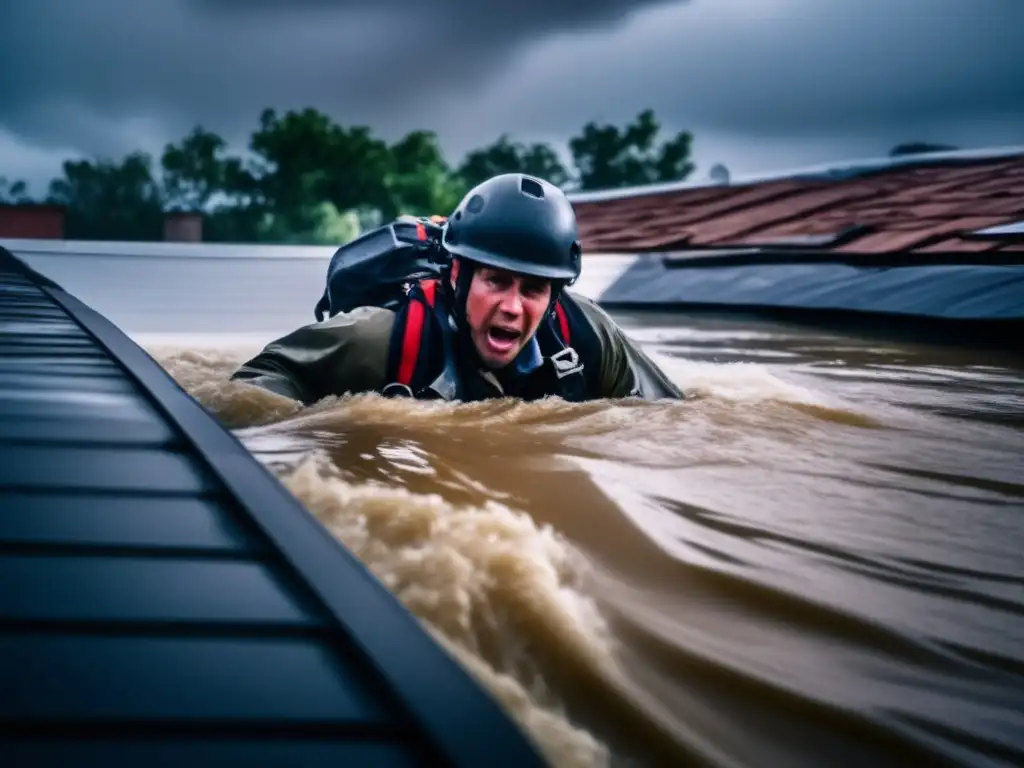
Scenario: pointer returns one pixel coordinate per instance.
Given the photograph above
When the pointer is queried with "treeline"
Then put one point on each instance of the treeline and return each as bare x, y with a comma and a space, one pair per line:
307, 179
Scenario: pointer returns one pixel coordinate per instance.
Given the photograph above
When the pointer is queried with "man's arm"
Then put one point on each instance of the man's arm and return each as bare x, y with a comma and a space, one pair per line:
626, 370
346, 353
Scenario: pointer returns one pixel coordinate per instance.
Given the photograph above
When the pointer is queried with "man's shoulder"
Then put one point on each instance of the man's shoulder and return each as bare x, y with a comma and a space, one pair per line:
588, 304
596, 315
579, 298
355, 346
344, 353
360, 337
361, 323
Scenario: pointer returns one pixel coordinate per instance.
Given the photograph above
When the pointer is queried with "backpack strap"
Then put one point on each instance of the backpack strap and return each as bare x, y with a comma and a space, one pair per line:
412, 341
412, 334
573, 330
563, 323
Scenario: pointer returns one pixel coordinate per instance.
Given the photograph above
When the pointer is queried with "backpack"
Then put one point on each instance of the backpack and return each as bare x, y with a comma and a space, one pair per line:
399, 266
377, 268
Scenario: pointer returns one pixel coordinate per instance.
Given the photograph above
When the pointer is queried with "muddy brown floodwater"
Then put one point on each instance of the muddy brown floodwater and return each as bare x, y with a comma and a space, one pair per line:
814, 561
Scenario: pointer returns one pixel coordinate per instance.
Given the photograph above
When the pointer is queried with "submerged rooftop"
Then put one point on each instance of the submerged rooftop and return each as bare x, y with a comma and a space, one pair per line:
943, 202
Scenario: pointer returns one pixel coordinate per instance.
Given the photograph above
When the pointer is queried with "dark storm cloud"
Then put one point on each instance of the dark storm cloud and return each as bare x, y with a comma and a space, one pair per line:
83, 67
768, 84
785, 67
762, 83
855, 63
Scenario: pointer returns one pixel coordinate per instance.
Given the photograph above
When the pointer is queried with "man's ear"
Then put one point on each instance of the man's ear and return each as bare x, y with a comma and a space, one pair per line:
455, 271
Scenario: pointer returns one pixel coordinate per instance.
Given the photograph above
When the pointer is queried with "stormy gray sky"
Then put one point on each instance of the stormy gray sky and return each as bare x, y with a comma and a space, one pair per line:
763, 84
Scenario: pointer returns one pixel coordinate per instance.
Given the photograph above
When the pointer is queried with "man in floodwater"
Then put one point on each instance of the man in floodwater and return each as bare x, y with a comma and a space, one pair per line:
498, 323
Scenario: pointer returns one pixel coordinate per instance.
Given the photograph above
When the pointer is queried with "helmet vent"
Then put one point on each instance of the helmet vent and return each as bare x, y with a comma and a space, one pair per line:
531, 187
475, 204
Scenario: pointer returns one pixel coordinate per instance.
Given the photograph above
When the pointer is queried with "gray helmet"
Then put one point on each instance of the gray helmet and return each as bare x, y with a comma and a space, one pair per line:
517, 222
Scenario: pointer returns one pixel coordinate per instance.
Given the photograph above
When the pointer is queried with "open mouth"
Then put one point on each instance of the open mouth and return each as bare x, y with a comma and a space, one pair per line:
502, 339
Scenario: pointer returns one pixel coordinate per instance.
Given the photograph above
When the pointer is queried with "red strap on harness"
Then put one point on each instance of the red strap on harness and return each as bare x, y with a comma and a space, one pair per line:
414, 332
563, 321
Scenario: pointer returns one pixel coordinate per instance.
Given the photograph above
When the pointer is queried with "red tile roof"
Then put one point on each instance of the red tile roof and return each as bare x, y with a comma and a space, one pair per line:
927, 204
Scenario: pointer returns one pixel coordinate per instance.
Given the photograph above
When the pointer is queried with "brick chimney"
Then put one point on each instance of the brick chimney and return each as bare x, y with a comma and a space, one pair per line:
183, 226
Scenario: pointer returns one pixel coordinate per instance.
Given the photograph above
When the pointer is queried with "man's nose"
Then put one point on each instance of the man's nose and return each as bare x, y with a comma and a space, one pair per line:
512, 303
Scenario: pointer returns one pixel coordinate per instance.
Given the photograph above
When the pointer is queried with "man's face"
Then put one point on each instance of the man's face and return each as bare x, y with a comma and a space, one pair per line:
503, 310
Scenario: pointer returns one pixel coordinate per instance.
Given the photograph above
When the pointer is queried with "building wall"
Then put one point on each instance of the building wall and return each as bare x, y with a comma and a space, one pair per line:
32, 221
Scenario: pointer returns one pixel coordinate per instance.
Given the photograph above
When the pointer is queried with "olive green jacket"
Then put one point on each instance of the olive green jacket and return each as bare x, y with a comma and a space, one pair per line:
348, 353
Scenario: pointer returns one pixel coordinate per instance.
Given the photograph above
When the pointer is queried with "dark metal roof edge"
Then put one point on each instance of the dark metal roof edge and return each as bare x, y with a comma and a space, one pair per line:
997, 334
462, 720
26, 271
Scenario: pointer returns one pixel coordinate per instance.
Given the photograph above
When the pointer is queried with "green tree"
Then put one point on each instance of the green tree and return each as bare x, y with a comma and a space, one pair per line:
303, 159
309, 174
108, 200
419, 180
309, 180
334, 227
14, 192
506, 156
607, 157
194, 170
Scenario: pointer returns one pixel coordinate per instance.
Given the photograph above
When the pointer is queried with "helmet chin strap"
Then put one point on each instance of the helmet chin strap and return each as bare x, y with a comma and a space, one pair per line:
458, 290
